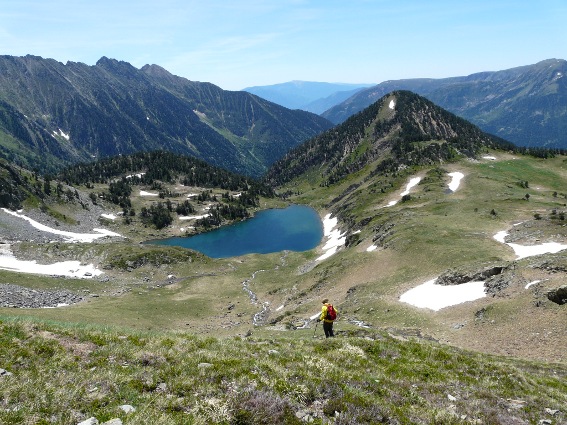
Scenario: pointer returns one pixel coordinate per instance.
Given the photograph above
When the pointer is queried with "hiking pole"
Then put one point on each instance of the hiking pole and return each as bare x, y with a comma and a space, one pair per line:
315, 329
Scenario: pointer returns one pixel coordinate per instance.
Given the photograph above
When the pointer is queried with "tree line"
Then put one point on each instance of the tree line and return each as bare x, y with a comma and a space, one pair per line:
153, 169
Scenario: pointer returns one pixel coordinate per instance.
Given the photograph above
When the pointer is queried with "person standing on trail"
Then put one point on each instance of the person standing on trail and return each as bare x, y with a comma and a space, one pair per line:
328, 316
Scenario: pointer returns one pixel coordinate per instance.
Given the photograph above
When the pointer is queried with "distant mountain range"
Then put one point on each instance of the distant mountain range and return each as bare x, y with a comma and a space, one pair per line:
52, 114
525, 105
310, 96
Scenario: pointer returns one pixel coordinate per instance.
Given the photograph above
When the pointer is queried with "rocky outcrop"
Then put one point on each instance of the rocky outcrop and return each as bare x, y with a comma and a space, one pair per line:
382, 232
496, 277
496, 284
558, 295
459, 276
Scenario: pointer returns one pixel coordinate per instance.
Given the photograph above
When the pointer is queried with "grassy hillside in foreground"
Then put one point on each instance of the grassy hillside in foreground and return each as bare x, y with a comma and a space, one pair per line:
65, 374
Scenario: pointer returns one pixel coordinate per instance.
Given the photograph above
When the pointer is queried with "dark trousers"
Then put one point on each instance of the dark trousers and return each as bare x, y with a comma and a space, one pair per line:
328, 328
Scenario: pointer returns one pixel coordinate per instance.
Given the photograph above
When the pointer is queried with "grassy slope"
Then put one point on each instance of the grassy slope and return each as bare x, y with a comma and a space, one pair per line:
65, 374
432, 232
435, 231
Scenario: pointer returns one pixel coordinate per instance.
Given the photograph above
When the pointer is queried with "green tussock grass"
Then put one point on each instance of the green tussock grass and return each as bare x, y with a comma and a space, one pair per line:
63, 374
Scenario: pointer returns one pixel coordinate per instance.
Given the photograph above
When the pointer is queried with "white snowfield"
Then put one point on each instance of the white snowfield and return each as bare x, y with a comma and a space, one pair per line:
454, 184
523, 251
144, 193
139, 175
69, 236
62, 134
63, 268
456, 178
335, 238
435, 297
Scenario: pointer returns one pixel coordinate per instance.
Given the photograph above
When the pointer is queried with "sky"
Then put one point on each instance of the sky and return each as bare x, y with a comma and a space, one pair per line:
241, 43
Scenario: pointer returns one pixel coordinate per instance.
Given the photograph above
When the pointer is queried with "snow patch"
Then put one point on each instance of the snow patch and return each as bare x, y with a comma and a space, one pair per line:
191, 217
523, 251
144, 193
63, 268
62, 134
435, 297
139, 175
109, 216
335, 239
456, 178
70, 236
392, 104
413, 182
371, 248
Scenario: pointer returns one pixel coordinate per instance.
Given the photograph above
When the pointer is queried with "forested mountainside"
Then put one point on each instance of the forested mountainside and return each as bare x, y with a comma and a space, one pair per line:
53, 114
401, 129
117, 181
526, 105
159, 166
163, 171
16, 186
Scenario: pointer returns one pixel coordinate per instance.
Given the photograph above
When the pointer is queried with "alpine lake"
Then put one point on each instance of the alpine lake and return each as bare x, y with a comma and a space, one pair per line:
295, 228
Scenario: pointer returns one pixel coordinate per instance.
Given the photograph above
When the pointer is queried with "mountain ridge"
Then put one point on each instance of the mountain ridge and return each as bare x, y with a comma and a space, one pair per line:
392, 131
113, 108
526, 105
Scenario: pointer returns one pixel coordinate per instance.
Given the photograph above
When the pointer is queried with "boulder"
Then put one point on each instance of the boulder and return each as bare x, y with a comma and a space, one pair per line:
4, 372
126, 408
89, 421
495, 284
558, 295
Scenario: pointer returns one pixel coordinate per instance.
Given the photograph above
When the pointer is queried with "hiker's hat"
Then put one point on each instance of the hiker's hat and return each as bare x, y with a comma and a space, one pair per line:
326, 300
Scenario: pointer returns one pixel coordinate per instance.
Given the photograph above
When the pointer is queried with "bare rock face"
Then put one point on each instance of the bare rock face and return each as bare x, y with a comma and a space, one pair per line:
496, 277
459, 276
494, 285
558, 295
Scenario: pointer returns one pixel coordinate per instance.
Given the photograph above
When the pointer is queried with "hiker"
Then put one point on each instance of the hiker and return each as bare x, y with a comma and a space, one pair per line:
328, 315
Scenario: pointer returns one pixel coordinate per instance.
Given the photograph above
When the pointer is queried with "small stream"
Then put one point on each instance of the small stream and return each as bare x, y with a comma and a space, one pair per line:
261, 316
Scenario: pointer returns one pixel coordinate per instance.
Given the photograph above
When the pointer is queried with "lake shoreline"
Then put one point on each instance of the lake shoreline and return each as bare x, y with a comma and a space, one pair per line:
293, 228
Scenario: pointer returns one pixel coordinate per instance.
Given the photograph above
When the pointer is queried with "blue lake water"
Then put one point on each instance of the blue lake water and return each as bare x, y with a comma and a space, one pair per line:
295, 228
